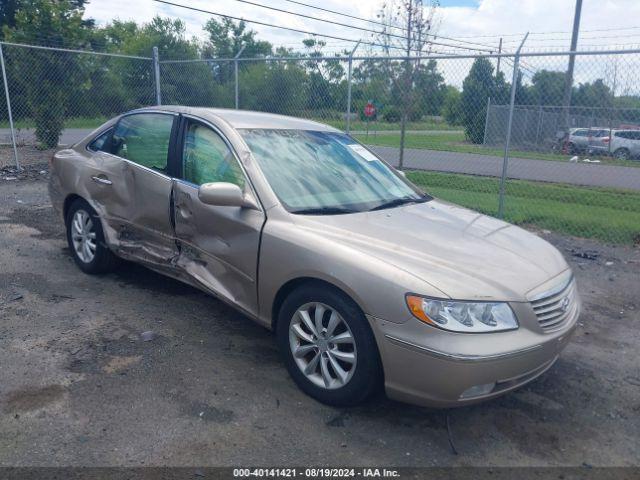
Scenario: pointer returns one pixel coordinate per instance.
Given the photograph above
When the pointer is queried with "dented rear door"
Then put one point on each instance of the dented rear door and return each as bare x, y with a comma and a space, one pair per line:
218, 245
143, 141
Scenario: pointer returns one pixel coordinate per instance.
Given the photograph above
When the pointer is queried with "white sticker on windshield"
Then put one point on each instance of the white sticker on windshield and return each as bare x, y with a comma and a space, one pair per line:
363, 152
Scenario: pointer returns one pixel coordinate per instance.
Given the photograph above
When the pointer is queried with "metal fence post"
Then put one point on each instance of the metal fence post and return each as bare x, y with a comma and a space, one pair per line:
156, 72
505, 161
235, 72
349, 87
486, 120
6, 92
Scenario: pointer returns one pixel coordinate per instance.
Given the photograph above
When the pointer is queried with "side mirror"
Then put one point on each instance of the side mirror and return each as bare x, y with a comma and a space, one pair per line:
223, 194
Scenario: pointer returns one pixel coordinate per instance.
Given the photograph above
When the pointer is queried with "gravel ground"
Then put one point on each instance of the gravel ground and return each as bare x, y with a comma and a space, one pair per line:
82, 382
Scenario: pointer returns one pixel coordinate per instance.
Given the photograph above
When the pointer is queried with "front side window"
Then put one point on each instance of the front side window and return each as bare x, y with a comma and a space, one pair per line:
326, 171
580, 133
144, 139
206, 158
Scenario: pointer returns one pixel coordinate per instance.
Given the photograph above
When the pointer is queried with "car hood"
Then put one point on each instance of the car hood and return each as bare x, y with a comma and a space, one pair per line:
464, 254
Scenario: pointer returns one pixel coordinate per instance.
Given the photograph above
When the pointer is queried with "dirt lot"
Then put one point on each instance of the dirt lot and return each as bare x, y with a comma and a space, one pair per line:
81, 385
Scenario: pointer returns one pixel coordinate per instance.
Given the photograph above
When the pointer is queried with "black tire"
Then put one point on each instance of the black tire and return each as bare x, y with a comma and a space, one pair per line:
572, 149
367, 376
104, 260
622, 154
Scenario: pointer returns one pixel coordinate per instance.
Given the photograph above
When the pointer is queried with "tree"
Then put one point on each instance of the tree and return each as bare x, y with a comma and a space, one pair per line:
547, 87
133, 79
8, 9
451, 110
48, 78
477, 87
226, 38
429, 88
595, 94
415, 21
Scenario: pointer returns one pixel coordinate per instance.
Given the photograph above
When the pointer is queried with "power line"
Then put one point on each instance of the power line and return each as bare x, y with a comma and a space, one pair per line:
306, 32
548, 33
597, 37
355, 27
345, 14
381, 23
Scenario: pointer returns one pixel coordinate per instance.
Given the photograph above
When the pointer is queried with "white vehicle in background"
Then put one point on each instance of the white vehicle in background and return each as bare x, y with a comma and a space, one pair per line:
621, 144
582, 139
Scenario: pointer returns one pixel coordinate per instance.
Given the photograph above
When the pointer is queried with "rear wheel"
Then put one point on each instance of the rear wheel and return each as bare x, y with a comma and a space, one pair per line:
622, 154
86, 239
328, 347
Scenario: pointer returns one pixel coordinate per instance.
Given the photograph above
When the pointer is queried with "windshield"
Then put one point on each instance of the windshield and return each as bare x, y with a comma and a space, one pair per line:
326, 172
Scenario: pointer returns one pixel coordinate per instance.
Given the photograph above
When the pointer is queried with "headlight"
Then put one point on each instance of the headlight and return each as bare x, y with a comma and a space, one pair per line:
456, 316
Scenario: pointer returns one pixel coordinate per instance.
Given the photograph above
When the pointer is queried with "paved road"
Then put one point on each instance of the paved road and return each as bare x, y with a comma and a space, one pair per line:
520, 168
470, 163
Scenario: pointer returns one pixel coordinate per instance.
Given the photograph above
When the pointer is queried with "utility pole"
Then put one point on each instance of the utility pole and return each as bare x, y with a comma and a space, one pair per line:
499, 58
407, 86
566, 102
349, 85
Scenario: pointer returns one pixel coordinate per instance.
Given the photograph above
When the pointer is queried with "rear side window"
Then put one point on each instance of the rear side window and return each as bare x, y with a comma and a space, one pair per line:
144, 139
101, 144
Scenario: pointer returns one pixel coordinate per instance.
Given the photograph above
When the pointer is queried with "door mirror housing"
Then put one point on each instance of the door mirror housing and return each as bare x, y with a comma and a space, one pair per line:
223, 194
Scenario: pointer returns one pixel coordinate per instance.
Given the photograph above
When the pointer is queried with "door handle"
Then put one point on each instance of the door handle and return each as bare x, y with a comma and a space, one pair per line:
102, 180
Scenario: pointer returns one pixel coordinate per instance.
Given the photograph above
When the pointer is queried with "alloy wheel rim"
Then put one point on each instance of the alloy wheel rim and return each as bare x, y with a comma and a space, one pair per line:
322, 345
83, 236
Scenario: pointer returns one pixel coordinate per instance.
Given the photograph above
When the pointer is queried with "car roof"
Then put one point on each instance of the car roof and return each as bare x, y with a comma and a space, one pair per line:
246, 118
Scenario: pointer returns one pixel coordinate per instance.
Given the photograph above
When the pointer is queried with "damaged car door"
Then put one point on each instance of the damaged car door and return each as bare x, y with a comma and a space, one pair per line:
144, 141
218, 244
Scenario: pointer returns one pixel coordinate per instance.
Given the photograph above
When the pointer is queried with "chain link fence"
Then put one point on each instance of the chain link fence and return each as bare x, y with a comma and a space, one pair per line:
57, 96
488, 132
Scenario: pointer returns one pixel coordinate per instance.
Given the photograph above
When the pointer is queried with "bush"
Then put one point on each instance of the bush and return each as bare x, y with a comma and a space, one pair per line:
391, 115
474, 130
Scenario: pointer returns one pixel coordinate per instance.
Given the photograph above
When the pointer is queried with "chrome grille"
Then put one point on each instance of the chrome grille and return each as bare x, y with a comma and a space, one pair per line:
555, 309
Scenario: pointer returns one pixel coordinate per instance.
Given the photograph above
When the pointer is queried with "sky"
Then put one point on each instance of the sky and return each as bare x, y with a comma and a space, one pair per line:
480, 23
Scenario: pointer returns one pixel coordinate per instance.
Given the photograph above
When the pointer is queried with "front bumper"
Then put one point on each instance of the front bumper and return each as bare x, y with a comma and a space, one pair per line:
427, 366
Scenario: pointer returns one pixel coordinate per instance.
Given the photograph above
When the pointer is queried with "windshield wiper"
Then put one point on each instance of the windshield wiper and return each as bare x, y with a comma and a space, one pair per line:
396, 202
324, 211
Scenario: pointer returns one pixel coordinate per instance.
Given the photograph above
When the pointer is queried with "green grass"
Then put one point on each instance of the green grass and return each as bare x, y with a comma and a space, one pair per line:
456, 142
605, 214
79, 122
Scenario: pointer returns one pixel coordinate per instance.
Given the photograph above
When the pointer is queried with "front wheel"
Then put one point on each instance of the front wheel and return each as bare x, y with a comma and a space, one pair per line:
328, 346
86, 239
